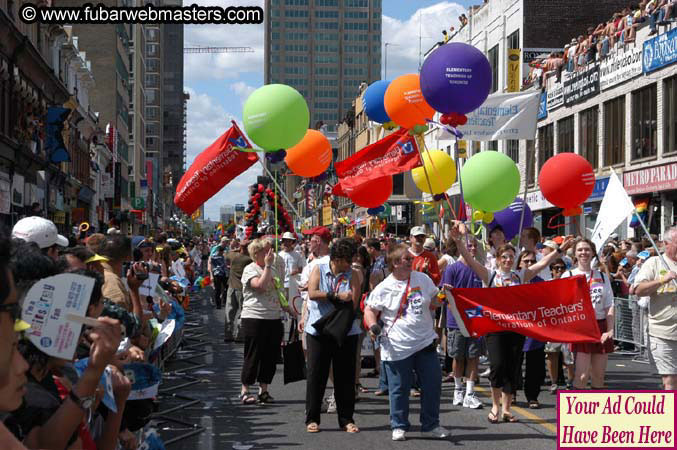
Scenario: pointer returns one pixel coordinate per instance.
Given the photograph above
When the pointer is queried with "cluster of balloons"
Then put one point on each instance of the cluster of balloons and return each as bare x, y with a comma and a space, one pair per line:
258, 194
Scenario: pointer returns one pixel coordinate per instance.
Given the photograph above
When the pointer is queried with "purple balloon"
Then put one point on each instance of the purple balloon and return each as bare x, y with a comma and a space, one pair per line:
509, 219
456, 78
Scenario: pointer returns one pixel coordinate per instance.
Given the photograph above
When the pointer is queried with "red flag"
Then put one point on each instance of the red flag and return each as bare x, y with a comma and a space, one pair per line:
395, 153
554, 311
215, 167
337, 191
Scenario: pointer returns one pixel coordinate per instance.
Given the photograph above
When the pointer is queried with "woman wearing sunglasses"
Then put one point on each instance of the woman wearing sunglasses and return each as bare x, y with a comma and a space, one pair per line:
504, 347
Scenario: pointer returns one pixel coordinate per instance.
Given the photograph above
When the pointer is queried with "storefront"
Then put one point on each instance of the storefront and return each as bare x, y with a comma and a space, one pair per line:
656, 186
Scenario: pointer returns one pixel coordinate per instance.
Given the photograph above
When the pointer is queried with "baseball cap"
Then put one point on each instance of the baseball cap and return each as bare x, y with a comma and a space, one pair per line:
288, 235
323, 233
551, 244
429, 244
39, 230
113, 230
417, 231
96, 258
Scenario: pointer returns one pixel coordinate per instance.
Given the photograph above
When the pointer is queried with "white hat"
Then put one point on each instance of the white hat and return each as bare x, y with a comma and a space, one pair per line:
429, 244
551, 244
417, 231
288, 235
113, 230
41, 231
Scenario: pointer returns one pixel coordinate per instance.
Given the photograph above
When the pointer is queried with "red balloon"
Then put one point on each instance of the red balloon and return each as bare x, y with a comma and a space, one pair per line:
372, 193
462, 119
444, 119
567, 180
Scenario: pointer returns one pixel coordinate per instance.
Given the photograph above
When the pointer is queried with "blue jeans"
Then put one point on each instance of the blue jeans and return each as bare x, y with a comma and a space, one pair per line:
400, 380
382, 378
655, 18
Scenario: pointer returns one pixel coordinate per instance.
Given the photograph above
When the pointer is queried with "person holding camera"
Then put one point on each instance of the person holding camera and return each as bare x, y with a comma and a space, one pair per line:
405, 302
219, 273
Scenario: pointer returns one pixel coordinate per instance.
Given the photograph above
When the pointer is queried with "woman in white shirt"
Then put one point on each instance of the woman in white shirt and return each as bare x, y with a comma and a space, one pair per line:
405, 301
591, 358
504, 347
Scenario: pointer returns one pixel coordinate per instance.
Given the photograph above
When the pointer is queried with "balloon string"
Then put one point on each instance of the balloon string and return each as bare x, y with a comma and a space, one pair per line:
421, 143
276, 229
554, 227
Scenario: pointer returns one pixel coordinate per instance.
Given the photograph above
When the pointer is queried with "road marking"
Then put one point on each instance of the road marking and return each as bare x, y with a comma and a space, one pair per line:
522, 412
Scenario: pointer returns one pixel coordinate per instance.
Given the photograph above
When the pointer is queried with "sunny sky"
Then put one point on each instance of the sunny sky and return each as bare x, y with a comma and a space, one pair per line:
219, 84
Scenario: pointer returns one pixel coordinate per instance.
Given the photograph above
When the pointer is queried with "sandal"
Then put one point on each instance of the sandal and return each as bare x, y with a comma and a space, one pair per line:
351, 428
247, 399
533, 404
507, 417
361, 388
313, 427
265, 397
381, 393
492, 418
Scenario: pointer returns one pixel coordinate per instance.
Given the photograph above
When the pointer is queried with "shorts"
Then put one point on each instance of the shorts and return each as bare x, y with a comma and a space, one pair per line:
555, 347
664, 354
459, 346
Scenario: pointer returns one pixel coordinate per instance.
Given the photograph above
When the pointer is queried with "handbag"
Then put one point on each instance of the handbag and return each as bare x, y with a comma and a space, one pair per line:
294, 359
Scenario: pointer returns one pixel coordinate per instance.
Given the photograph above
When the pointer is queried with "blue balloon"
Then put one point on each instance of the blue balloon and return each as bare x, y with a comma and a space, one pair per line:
373, 101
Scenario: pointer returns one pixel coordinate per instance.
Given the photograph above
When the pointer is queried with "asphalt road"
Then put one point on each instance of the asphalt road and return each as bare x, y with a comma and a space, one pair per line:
210, 373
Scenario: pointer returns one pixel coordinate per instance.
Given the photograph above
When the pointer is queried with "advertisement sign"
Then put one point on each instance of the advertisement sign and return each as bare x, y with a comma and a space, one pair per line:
513, 70
107, 185
580, 86
543, 107
659, 51
620, 66
536, 201
651, 179
530, 54
18, 190
554, 95
326, 215
598, 191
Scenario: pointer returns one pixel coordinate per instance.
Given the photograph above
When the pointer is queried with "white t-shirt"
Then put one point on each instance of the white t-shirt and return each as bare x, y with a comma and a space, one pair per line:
601, 294
292, 260
307, 270
178, 268
448, 258
256, 303
414, 330
499, 278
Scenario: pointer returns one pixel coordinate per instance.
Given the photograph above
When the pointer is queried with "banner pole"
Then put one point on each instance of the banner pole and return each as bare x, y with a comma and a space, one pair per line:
524, 201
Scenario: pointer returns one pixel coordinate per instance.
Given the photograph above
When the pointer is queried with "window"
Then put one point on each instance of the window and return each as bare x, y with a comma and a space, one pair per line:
546, 144
326, 2
531, 162
300, 25
476, 147
588, 143
614, 131
355, 25
296, 2
493, 61
326, 37
356, 15
644, 130
326, 25
670, 110
356, 3
296, 13
514, 39
565, 135
326, 59
513, 150
492, 145
398, 184
330, 93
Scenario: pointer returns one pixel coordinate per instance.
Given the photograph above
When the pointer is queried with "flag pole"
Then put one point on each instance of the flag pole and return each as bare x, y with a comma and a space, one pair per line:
524, 200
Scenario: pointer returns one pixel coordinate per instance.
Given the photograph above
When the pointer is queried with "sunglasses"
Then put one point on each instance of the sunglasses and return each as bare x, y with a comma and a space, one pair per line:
557, 268
14, 310
529, 261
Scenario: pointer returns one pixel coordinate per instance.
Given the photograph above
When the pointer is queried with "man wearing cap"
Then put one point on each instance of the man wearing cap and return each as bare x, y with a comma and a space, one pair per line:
41, 231
293, 265
424, 261
657, 282
223, 244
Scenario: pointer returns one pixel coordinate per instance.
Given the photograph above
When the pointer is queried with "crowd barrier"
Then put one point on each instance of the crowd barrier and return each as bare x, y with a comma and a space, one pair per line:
631, 325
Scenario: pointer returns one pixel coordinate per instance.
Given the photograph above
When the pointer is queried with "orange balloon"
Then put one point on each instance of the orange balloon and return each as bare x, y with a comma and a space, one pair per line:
310, 157
404, 102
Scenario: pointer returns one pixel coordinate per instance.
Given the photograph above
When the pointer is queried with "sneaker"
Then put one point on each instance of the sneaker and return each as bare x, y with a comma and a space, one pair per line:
398, 434
553, 389
438, 433
471, 401
331, 407
485, 373
458, 397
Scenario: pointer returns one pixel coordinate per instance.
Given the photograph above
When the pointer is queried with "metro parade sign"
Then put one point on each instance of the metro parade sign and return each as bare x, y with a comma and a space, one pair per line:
580, 86
660, 51
555, 311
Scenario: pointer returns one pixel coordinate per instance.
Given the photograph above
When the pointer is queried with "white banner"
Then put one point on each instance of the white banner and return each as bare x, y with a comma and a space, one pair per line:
616, 207
620, 66
503, 116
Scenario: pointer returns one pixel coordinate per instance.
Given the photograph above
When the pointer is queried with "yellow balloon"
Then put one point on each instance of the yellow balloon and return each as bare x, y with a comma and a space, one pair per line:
488, 217
441, 172
477, 216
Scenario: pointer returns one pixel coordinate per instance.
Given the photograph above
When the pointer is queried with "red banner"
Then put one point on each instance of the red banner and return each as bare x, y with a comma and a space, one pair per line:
395, 153
215, 167
554, 311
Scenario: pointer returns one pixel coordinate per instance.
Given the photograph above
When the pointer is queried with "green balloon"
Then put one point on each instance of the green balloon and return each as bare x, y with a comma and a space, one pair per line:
490, 181
275, 117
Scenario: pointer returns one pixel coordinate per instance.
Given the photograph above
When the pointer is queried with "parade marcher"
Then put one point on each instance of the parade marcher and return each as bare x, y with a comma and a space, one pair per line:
553, 349
591, 358
405, 300
504, 347
496, 240
424, 260
465, 351
219, 274
261, 324
655, 281
332, 285
238, 261
293, 265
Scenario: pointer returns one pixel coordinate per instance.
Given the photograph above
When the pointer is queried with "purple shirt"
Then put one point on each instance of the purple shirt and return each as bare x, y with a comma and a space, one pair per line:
459, 275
